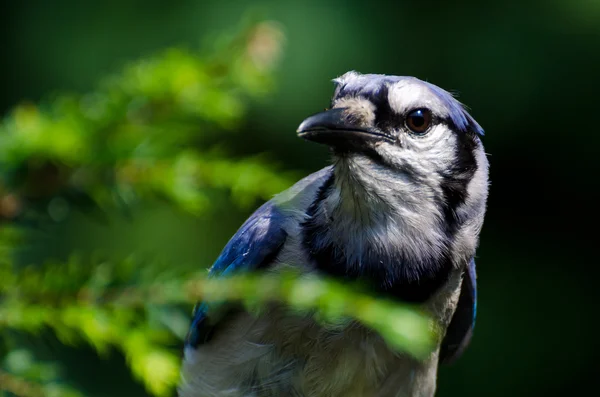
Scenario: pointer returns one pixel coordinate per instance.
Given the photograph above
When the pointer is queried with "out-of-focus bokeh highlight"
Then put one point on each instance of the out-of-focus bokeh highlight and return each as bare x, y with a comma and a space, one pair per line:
137, 136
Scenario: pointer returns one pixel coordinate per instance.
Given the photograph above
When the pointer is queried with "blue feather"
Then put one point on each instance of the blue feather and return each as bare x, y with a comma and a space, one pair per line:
254, 245
459, 332
473, 277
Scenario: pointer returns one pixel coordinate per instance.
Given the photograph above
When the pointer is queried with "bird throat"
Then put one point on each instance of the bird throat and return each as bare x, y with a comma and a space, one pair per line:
347, 240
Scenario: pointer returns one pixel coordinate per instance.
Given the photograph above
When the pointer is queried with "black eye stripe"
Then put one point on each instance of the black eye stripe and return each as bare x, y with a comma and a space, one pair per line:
386, 119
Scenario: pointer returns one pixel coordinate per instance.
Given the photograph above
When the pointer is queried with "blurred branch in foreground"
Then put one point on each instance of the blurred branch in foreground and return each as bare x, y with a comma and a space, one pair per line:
102, 308
18, 386
152, 130
155, 130
21, 388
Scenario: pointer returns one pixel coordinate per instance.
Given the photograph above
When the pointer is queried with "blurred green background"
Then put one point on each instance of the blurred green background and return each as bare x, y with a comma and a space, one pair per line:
528, 70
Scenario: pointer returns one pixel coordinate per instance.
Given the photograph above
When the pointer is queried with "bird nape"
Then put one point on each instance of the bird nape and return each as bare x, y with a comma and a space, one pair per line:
400, 209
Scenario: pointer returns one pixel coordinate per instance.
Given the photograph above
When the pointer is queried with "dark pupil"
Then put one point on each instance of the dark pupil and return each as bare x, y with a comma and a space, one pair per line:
417, 118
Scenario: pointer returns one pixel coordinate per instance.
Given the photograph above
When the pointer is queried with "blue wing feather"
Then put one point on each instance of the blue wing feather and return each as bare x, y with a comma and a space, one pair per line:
254, 245
460, 330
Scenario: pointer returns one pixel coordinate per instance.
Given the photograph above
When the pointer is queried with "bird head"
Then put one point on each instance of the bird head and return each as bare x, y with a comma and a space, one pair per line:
411, 174
399, 122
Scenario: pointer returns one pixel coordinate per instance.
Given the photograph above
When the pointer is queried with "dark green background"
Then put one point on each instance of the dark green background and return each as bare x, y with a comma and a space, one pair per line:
529, 70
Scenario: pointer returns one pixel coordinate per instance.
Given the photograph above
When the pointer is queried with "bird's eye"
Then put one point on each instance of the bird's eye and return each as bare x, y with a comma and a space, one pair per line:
418, 121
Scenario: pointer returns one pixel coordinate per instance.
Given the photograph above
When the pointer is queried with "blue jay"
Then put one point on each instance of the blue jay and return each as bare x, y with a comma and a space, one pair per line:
400, 209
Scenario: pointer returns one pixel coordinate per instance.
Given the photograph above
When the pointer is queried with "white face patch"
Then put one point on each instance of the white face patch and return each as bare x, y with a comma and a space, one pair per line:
407, 95
427, 155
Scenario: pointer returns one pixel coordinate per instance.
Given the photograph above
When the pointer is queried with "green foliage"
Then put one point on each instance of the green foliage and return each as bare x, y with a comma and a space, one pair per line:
155, 130
113, 306
21, 365
152, 130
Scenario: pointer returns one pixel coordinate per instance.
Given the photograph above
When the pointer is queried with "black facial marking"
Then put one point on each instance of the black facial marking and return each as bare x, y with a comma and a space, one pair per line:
385, 118
456, 179
398, 277
322, 194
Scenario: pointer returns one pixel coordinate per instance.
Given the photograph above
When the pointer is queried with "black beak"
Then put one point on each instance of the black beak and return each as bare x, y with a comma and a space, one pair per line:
333, 128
